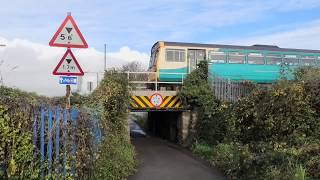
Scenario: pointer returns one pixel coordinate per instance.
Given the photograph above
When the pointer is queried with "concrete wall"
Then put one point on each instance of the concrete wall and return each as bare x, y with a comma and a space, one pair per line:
186, 126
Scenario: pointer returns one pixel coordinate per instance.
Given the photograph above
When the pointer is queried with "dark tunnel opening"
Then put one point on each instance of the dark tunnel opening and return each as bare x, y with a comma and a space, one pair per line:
164, 124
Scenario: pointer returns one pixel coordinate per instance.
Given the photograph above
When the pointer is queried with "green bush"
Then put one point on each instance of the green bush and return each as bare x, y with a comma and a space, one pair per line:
115, 159
231, 158
16, 147
197, 94
271, 134
202, 149
116, 156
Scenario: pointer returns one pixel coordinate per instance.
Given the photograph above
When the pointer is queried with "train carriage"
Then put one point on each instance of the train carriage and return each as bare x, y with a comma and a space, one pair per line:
257, 63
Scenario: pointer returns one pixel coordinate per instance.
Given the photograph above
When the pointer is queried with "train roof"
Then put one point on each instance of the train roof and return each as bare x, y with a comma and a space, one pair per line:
253, 47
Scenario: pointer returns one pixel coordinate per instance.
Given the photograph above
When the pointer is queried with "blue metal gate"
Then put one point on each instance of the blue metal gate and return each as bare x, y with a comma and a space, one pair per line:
55, 140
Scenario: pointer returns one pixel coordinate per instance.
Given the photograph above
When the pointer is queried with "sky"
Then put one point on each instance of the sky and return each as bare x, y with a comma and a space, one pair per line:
130, 28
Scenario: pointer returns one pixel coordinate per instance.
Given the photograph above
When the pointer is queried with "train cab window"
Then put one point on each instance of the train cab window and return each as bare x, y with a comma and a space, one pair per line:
175, 55
274, 59
236, 58
291, 60
217, 57
154, 56
255, 58
307, 60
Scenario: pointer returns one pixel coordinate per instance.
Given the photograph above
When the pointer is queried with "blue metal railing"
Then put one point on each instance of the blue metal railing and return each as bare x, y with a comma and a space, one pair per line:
54, 135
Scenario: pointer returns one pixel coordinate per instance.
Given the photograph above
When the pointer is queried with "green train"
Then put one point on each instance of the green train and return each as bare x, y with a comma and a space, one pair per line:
171, 61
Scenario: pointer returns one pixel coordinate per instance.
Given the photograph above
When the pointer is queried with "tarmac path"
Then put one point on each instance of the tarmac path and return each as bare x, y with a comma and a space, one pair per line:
160, 160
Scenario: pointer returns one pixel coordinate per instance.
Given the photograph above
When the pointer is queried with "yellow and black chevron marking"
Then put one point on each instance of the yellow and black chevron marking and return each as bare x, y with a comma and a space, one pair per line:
143, 102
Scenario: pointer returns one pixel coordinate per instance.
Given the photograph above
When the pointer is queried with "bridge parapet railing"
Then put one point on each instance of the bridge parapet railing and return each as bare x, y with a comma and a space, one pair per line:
144, 80
229, 90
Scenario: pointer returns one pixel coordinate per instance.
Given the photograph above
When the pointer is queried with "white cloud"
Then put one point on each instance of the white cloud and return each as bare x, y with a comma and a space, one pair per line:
28, 66
305, 37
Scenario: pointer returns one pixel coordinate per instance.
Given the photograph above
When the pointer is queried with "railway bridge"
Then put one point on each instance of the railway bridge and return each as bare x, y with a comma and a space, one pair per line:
168, 116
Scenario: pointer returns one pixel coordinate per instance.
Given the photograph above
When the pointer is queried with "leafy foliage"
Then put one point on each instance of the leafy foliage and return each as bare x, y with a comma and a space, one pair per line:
202, 149
282, 113
197, 93
16, 148
116, 156
271, 134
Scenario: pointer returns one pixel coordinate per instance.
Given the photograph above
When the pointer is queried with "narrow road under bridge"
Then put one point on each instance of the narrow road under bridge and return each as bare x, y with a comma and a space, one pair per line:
160, 160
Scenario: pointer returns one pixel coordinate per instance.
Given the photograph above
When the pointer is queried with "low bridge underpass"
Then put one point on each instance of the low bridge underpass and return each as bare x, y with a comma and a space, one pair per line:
167, 119
158, 99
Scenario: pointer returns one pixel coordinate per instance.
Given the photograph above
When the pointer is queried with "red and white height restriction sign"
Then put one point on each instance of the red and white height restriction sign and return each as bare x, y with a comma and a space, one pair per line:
156, 100
68, 35
68, 66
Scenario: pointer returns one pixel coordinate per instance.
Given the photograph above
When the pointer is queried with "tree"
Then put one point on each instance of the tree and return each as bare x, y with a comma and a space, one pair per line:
134, 66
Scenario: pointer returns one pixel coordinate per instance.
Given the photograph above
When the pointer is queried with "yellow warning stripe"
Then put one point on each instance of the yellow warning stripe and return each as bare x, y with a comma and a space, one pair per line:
166, 101
147, 101
133, 104
178, 104
138, 101
172, 102
143, 102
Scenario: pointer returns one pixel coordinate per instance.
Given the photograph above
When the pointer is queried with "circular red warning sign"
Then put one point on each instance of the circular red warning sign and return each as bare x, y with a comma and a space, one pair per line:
156, 99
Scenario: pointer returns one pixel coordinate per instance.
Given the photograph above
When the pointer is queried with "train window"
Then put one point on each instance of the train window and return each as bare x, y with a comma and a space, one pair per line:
175, 55
217, 57
236, 58
154, 57
307, 60
274, 59
255, 58
291, 60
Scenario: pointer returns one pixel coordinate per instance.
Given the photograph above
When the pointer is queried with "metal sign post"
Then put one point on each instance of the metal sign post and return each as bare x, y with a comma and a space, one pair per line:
68, 93
68, 35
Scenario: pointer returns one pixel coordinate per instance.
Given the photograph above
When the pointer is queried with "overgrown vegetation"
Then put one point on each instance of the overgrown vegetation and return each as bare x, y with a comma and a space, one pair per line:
16, 147
271, 134
115, 156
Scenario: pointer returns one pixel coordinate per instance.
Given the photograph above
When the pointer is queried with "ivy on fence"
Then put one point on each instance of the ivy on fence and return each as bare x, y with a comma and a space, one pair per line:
91, 142
47, 142
56, 139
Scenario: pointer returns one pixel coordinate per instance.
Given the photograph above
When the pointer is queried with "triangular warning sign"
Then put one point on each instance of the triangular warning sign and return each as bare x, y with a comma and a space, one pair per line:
68, 65
68, 35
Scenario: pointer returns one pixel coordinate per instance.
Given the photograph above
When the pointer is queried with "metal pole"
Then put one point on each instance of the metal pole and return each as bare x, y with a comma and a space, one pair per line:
68, 93
156, 84
1, 78
97, 79
79, 84
105, 57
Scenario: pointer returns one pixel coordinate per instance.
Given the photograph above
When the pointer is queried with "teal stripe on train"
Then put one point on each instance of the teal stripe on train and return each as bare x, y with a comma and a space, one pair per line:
172, 77
250, 72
